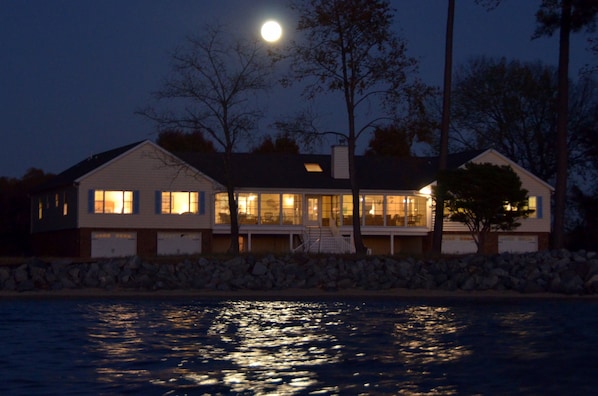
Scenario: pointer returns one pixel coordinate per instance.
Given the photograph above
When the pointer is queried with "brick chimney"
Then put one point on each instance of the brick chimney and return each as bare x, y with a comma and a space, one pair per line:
340, 162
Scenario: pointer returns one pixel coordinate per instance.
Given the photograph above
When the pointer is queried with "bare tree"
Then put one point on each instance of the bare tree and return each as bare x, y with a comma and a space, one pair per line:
349, 47
212, 87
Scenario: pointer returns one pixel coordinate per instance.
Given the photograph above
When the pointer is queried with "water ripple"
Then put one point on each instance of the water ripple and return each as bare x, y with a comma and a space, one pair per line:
297, 347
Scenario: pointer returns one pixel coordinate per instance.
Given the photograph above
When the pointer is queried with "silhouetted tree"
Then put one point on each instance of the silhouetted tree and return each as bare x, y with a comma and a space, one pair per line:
389, 141
15, 211
485, 197
566, 16
584, 234
212, 87
349, 47
178, 141
282, 144
511, 106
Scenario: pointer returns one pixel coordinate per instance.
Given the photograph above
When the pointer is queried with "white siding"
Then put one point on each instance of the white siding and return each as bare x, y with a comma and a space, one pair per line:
340, 162
532, 184
145, 169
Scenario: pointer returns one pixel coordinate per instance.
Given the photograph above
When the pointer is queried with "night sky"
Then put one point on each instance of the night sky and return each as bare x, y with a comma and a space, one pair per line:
73, 72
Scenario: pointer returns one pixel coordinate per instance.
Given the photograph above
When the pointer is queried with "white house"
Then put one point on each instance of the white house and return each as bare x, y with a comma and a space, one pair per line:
141, 199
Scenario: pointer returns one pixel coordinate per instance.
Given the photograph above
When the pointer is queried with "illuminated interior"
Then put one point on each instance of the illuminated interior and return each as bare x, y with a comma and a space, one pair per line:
180, 202
120, 202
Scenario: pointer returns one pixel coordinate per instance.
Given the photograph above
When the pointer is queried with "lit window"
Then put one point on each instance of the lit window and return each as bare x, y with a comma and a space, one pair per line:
534, 203
222, 211
179, 202
119, 202
291, 209
65, 206
270, 209
313, 167
40, 209
247, 208
396, 214
374, 210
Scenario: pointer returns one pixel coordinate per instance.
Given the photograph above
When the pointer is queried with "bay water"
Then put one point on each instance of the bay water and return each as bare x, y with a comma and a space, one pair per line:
328, 346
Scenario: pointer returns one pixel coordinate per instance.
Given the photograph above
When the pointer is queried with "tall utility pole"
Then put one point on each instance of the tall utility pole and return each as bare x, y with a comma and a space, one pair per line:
444, 126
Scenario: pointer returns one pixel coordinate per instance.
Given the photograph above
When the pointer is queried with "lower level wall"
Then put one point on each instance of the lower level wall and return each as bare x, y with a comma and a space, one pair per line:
63, 243
77, 242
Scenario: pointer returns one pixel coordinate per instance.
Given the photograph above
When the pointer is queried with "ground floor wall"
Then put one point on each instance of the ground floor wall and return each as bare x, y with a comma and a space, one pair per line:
257, 243
496, 242
87, 242
386, 245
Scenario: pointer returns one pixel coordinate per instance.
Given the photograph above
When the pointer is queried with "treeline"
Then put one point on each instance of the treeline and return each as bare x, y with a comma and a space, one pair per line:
15, 211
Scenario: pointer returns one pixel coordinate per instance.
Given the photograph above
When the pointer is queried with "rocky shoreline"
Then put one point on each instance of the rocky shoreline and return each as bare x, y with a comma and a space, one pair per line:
557, 272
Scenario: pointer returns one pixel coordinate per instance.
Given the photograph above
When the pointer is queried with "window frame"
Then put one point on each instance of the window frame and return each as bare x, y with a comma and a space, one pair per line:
133, 203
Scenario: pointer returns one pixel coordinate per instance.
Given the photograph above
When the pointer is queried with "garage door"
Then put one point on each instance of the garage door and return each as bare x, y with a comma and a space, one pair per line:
174, 243
458, 244
113, 244
517, 243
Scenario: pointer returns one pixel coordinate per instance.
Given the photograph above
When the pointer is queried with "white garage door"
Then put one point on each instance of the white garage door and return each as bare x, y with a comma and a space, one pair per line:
173, 243
113, 244
458, 244
517, 243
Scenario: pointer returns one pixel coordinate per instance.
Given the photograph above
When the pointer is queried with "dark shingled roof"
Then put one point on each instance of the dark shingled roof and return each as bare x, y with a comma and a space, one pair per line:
82, 168
288, 170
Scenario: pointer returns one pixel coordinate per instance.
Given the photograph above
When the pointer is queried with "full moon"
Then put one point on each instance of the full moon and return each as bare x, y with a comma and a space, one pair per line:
271, 31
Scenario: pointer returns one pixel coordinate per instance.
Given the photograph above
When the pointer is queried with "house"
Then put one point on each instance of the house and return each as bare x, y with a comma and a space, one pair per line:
141, 199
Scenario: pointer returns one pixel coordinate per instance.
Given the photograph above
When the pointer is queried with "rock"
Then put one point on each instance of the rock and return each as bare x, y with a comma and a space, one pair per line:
259, 269
558, 271
21, 274
591, 285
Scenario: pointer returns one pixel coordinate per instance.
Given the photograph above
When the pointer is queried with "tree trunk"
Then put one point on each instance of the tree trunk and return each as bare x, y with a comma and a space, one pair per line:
560, 194
444, 127
357, 239
232, 204
482, 242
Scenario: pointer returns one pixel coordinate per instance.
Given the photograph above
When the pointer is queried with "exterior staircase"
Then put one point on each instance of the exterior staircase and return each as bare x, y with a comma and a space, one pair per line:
325, 240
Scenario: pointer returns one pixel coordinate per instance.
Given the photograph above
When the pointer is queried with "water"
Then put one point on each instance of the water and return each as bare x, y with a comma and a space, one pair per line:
265, 347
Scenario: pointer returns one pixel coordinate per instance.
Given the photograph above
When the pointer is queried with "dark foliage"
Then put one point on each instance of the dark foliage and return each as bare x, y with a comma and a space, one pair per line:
15, 211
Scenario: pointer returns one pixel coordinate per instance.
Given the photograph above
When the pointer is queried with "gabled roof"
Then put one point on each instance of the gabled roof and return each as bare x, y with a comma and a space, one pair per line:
288, 170
91, 163
514, 165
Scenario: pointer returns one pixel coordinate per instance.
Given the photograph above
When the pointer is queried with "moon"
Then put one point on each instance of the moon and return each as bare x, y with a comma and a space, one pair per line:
271, 31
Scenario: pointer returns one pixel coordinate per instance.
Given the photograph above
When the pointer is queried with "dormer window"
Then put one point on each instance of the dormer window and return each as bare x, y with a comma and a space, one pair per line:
312, 167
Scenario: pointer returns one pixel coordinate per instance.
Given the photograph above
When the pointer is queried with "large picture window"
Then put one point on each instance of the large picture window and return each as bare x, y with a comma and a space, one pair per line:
270, 208
292, 209
247, 208
395, 210
179, 202
373, 208
406, 210
113, 201
222, 210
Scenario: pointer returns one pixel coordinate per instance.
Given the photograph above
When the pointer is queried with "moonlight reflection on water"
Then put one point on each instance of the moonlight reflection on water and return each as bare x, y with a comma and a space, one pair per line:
387, 346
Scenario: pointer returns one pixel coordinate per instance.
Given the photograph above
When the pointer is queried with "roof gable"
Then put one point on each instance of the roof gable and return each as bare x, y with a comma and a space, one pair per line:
486, 155
84, 167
